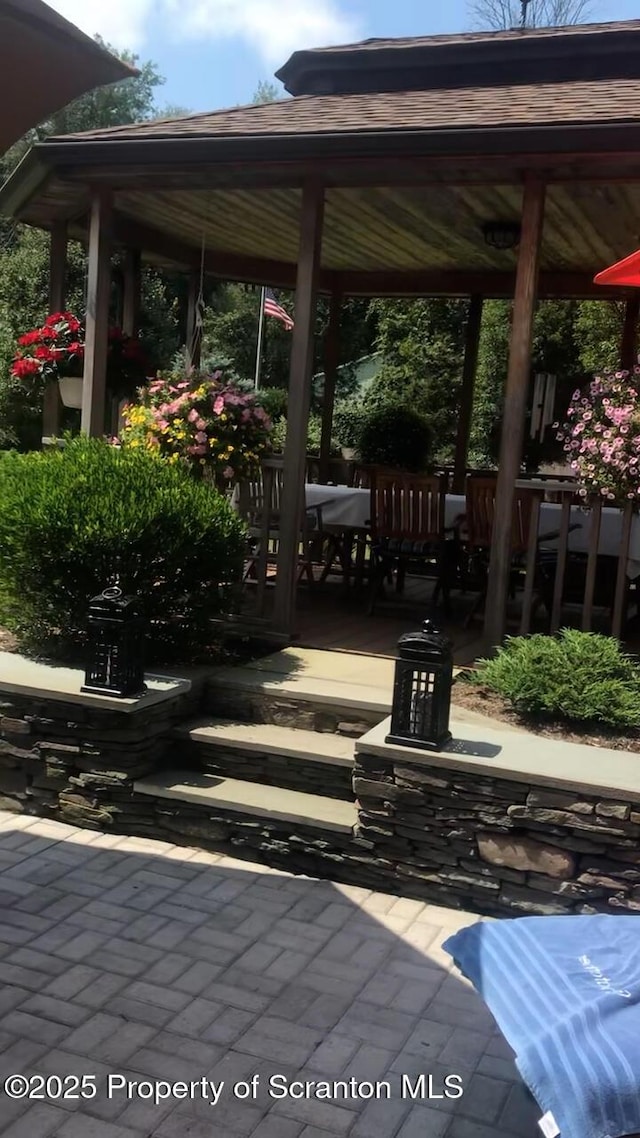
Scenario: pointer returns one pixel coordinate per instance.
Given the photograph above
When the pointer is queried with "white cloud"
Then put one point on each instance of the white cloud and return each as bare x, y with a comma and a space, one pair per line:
122, 23
273, 28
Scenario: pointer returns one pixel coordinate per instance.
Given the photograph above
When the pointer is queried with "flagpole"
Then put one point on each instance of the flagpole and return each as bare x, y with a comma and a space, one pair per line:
256, 382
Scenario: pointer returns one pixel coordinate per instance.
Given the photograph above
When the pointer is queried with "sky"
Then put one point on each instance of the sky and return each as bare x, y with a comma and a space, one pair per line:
213, 53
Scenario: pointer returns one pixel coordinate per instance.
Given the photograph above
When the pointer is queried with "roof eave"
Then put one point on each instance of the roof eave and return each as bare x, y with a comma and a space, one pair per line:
517, 141
301, 67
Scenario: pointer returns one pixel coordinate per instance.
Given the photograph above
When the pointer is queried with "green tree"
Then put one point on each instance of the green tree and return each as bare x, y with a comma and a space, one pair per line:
422, 342
267, 92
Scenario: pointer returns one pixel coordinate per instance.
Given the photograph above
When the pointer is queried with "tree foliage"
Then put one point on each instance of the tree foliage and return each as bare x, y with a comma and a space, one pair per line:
503, 14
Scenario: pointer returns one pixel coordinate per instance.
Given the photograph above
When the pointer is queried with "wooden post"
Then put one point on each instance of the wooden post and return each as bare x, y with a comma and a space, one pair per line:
52, 404
97, 326
629, 344
193, 340
131, 293
515, 406
300, 372
472, 344
331, 361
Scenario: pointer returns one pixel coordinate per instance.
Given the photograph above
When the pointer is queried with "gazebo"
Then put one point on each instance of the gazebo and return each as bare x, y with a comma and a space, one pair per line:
388, 173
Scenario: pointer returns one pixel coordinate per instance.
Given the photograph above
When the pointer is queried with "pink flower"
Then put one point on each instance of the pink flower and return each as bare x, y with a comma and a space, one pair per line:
193, 415
218, 406
228, 472
200, 423
201, 437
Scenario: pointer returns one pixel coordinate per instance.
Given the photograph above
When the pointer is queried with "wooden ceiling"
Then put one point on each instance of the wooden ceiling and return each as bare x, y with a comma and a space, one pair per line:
391, 232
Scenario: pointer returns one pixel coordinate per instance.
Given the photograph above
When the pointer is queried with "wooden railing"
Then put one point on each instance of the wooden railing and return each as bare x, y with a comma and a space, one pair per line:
587, 513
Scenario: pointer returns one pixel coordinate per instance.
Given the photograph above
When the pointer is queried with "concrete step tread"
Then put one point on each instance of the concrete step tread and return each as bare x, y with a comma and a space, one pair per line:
313, 689
338, 666
270, 739
250, 798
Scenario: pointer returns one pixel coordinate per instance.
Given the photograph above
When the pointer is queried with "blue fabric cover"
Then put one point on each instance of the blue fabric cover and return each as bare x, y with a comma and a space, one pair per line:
565, 992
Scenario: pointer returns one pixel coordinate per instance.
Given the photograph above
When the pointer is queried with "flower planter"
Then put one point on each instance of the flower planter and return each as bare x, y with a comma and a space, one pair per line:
70, 387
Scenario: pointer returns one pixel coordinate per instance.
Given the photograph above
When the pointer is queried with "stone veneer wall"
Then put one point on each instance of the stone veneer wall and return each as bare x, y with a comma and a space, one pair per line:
491, 844
331, 780
498, 845
77, 761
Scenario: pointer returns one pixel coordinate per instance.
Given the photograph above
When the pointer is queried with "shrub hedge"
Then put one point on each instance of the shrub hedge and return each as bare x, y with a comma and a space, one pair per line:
395, 436
75, 520
574, 676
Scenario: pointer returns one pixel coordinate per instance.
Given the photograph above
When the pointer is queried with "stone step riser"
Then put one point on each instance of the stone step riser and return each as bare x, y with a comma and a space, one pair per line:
254, 706
289, 772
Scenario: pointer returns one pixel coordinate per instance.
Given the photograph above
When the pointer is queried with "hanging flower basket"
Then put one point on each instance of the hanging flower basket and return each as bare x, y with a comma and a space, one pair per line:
70, 387
55, 353
220, 431
602, 437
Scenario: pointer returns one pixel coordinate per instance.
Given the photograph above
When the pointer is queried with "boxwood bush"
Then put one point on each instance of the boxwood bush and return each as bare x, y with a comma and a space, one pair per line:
395, 436
574, 676
75, 520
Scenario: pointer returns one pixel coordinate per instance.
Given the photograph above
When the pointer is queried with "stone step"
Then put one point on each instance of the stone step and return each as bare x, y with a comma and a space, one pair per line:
249, 798
309, 761
292, 743
299, 697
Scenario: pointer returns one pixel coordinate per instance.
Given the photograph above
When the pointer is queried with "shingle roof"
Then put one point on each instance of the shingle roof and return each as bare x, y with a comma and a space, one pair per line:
550, 104
511, 34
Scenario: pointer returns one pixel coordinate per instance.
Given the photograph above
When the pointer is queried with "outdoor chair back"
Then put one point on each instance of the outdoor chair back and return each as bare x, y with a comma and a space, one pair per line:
261, 494
480, 511
407, 508
337, 471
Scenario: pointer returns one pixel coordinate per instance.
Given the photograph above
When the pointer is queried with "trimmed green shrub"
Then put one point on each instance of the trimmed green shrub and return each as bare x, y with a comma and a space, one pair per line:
274, 400
75, 520
348, 420
575, 676
395, 436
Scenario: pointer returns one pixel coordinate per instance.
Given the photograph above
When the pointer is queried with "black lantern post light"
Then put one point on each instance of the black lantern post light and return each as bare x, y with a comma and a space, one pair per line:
115, 646
422, 690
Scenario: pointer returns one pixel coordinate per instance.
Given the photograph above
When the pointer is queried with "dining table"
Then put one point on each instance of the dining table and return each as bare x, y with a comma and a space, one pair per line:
347, 508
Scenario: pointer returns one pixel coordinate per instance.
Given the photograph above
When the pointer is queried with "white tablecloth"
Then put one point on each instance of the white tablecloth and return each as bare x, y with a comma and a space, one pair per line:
347, 507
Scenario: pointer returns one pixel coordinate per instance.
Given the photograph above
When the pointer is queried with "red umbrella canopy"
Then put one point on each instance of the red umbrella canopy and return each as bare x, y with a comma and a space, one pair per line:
45, 63
626, 272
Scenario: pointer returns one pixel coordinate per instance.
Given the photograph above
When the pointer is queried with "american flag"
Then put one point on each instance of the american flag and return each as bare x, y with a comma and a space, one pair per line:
272, 308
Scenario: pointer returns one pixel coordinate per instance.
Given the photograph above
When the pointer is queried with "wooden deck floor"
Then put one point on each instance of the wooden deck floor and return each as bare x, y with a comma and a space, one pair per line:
336, 619
329, 617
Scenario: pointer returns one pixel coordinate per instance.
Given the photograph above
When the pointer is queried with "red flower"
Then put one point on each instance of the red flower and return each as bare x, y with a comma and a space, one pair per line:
25, 367
44, 353
55, 318
29, 338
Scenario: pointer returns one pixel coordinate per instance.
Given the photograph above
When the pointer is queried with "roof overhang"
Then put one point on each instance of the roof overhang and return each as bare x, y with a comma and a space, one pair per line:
45, 63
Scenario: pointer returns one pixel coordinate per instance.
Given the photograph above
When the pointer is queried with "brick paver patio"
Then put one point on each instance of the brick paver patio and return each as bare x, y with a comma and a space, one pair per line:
137, 964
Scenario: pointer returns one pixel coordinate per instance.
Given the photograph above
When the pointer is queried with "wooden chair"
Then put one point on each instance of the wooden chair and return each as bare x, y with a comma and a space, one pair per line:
480, 493
259, 503
407, 528
338, 471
